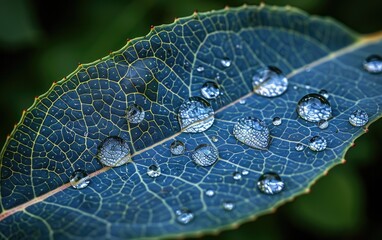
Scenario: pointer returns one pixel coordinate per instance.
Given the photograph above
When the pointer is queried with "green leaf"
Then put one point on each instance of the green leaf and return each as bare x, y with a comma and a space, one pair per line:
63, 129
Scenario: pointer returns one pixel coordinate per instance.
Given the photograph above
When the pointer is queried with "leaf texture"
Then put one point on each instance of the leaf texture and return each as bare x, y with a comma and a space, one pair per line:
62, 130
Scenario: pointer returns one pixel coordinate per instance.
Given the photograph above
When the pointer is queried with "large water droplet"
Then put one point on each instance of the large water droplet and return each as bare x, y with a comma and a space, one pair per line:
269, 82
210, 193
236, 175
154, 171
323, 124
276, 121
177, 147
195, 115
358, 118
324, 93
226, 62
299, 147
79, 179
228, 206
205, 155
184, 216
114, 152
135, 113
270, 183
210, 90
252, 132
317, 143
373, 64
314, 107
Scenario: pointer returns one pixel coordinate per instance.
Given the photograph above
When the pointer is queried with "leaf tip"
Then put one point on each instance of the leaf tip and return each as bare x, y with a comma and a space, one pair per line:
366, 130
226, 7
343, 161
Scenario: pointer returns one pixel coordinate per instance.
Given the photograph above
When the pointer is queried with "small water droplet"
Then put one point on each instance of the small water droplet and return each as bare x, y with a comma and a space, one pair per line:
317, 143
200, 69
299, 147
135, 113
210, 193
184, 216
236, 175
79, 179
323, 124
314, 107
269, 82
358, 118
270, 183
252, 132
195, 115
154, 171
214, 139
245, 172
205, 155
226, 62
373, 64
177, 147
242, 101
276, 121
114, 152
324, 93
210, 90
228, 206
238, 46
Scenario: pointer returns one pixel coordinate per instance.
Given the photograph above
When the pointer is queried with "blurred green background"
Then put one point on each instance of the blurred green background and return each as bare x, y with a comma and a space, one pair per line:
43, 41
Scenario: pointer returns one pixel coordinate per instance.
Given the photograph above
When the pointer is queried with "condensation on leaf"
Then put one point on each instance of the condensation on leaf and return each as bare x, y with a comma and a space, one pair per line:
195, 115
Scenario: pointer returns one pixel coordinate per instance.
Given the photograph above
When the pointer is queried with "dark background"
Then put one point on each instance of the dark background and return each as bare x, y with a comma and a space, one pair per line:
43, 41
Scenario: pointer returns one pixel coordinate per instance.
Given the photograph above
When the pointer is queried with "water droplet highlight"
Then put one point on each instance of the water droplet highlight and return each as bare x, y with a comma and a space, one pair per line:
184, 216
210, 193
323, 124
252, 132
270, 183
79, 179
269, 82
200, 69
114, 152
195, 115
236, 176
299, 147
314, 107
210, 90
324, 93
135, 113
242, 101
226, 62
358, 118
177, 147
245, 172
154, 171
205, 155
214, 139
317, 143
373, 64
228, 206
276, 121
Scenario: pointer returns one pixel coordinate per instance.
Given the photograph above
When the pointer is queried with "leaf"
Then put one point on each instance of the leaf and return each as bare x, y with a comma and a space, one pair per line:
62, 130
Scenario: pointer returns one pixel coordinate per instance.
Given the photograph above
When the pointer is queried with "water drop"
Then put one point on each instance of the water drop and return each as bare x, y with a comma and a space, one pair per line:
200, 69
210, 193
210, 90
135, 113
195, 115
276, 121
205, 155
177, 147
214, 139
226, 62
358, 118
242, 101
295, 87
79, 179
324, 93
269, 82
252, 132
323, 124
114, 152
236, 175
317, 143
184, 216
314, 107
228, 206
270, 183
245, 172
299, 147
373, 64
154, 171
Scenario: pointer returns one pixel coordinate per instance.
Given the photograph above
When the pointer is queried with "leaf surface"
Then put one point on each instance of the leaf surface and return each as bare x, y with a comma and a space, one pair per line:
61, 132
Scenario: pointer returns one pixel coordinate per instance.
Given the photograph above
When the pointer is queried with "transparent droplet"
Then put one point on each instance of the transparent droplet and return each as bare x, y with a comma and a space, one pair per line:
252, 132
317, 143
154, 171
114, 152
314, 107
245, 172
214, 139
79, 179
226, 62
373, 64
184, 216
210, 90
324, 93
195, 115
358, 118
269, 82
210, 193
205, 155
276, 121
299, 147
270, 183
135, 113
228, 206
236, 175
200, 69
323, 124
177, 147
242, 101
